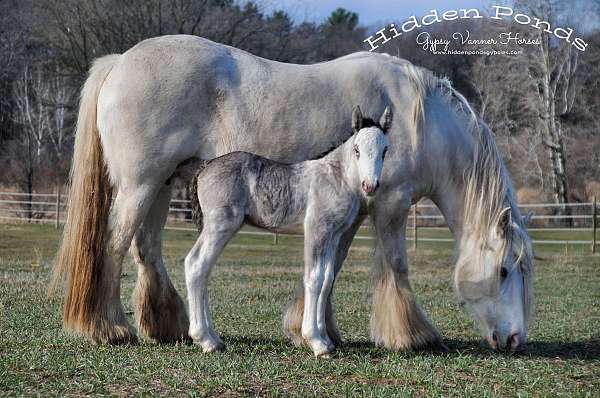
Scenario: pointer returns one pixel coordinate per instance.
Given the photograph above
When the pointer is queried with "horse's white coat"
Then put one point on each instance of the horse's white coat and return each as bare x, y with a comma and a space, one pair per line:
171, 99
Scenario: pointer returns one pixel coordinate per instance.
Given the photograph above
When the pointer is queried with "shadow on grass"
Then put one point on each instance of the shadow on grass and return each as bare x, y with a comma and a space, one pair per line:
586, 349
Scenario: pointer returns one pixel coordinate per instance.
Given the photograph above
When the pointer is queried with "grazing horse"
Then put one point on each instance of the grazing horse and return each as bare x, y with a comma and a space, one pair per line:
325, 195
145, 114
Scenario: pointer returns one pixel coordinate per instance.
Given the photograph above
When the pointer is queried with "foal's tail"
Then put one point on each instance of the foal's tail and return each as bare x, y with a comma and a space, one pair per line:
193, 194
81, 255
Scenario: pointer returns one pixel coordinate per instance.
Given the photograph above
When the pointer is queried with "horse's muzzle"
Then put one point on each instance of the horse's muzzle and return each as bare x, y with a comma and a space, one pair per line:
513, 343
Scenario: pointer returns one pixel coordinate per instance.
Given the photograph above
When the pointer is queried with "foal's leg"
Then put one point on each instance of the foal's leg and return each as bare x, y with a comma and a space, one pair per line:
397, 321
159, 311
219, 226
342, 253
318, 279
292, 321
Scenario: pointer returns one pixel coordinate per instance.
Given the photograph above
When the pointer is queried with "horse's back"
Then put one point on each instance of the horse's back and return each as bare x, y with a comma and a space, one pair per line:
178, 97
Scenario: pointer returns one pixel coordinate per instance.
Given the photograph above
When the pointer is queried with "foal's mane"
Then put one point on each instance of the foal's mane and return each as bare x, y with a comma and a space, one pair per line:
366, 122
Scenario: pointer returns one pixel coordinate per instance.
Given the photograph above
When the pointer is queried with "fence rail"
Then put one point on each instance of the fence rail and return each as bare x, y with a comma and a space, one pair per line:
424, 217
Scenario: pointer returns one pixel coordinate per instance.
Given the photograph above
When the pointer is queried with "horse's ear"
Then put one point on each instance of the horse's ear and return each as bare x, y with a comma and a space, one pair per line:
357, 119
504, 220
386, 119
527, 218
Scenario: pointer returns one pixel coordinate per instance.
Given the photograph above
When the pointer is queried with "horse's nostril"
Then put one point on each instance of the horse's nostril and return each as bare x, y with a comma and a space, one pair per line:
495, 337
514, 342
377, 184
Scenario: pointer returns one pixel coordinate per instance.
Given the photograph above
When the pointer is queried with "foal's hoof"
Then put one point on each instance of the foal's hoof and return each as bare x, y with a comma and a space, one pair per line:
321, 349
209, 346
216, 347
326, 355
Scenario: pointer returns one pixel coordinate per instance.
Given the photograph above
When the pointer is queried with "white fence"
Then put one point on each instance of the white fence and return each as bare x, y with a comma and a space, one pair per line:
424, 219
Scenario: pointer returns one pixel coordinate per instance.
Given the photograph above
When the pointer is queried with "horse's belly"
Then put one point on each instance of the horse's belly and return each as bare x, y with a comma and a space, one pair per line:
291, 229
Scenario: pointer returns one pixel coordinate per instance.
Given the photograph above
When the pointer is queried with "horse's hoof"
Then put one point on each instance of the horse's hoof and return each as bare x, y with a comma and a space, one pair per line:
117, 335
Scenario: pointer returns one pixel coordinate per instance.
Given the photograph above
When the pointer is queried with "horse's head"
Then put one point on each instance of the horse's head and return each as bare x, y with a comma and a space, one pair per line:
493, 279
370, 145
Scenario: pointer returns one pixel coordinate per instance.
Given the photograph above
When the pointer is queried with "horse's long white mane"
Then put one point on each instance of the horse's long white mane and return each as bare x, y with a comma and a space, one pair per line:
488, 188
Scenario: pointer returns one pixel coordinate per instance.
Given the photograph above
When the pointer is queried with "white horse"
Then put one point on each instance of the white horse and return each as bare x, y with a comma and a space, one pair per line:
325, 195
147, 113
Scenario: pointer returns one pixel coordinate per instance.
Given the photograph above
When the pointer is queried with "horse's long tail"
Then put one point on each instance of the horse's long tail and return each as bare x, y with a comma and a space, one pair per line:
81, 255
193, 194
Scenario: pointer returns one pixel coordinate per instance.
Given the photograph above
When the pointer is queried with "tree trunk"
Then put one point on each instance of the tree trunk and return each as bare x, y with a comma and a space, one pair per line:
552, 71
29, 192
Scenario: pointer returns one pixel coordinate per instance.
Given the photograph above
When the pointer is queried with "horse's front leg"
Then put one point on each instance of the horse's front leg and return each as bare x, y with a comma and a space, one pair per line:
319, 273
397, 321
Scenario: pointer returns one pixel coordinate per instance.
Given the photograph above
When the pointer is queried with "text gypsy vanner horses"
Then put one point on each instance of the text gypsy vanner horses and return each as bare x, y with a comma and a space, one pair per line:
146, 114
325, 195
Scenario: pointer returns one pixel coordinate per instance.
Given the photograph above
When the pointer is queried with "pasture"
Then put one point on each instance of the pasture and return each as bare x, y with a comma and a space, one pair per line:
251, 284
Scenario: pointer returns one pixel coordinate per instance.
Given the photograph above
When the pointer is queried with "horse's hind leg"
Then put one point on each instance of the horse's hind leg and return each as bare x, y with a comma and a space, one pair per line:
159, 311
129, 208
218, 228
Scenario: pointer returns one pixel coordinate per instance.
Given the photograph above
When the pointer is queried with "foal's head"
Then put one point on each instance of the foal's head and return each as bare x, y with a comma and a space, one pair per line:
370, 145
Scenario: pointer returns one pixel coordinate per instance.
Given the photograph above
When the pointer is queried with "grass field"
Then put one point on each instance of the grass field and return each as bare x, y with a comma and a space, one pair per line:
249, 289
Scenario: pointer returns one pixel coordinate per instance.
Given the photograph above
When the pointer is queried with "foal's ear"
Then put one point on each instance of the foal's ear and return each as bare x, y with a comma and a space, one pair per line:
386, 119
357, 119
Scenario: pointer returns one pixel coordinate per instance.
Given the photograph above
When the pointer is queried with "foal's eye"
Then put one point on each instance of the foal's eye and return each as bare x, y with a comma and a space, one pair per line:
503, 272
356, 151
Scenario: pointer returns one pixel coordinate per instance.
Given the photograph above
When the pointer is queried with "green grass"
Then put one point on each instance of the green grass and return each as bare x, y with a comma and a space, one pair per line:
249, 289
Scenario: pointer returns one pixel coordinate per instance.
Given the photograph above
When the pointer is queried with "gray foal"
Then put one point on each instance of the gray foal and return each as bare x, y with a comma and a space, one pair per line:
325, 195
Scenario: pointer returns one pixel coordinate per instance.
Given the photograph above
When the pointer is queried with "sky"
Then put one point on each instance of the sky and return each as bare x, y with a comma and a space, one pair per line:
375, 13
370, 12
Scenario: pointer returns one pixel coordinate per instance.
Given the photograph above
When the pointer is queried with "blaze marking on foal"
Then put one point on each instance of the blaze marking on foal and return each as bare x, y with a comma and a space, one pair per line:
325, 194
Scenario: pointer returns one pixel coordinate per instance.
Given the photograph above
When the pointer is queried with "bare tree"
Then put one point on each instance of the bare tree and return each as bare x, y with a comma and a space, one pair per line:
31, 116
552, 67
58, 100
506, 98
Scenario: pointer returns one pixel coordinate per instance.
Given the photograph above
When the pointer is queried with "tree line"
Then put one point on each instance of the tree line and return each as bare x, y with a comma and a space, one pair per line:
542, 104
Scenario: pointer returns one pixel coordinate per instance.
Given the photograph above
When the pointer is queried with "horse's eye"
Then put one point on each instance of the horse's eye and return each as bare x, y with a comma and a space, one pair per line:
503, 272
356, 151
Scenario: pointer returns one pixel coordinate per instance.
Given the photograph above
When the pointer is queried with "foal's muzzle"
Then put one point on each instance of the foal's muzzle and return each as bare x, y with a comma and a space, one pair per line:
370, 189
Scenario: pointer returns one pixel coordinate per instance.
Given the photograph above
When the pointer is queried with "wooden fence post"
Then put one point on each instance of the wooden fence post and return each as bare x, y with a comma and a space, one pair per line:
594, 224
275, 238
58, 208
415, 232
